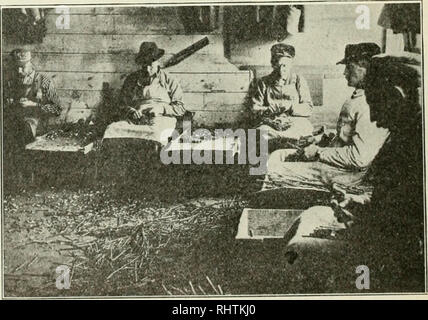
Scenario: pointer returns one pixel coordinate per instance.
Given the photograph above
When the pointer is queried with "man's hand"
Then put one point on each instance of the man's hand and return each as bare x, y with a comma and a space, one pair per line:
343, 215
280, 107
157, 109
25, 103
134, 114
311, 152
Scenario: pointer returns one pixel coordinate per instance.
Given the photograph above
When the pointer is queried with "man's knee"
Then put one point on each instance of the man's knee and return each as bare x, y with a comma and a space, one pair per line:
278, 157
302, 126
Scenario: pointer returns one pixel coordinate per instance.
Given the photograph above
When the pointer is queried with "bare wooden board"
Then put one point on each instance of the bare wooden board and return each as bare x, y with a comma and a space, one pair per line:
142, 23
212, 118
211, 101
100, 43
190, 82
123, 62
118, 10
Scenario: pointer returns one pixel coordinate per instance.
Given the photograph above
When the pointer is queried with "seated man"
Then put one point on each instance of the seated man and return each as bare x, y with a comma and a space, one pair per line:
382, 231
282, 103
149, 101
30, 99
346, 159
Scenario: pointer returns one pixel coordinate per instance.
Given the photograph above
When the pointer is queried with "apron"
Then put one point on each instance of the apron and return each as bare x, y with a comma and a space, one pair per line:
162, 127
299, 126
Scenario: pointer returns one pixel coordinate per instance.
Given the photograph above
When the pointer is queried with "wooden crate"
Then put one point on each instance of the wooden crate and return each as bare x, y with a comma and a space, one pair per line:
263, 224
59, 145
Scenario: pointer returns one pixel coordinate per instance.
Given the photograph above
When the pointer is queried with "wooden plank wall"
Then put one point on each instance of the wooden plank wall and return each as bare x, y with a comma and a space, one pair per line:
100, 46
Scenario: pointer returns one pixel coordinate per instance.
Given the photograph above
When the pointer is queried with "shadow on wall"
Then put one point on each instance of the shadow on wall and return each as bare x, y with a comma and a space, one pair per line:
264, 22
25, 25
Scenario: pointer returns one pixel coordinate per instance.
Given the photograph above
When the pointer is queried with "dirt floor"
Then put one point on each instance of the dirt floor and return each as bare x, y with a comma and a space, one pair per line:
132, 238
135, 232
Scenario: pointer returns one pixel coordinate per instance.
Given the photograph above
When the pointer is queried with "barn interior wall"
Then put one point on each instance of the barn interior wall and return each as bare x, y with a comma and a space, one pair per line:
100, 46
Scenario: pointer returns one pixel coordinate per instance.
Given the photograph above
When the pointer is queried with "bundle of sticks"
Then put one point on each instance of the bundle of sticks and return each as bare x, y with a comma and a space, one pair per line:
82, 131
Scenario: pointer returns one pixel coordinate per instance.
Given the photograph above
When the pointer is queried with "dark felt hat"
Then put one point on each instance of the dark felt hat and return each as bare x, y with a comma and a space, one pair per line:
283, 50
148, 53
359, 51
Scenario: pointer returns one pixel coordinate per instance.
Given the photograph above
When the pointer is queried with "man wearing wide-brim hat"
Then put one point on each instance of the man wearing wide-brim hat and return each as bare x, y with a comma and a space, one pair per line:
150, 100
30, 99
346, 158
281, 102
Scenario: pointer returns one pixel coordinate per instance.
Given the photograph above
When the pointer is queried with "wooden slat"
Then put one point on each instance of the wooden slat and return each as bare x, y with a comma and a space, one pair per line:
74, 43
209, 118
91, 98
203, 118
193, 101
224, 101
86, 81
219, 102
136, 10
122, 62
308, 70
116, 24
190, 82
117, 10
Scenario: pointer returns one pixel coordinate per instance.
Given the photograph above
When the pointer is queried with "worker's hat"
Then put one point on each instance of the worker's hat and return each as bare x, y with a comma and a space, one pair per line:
148, 53
283, 50
359, 51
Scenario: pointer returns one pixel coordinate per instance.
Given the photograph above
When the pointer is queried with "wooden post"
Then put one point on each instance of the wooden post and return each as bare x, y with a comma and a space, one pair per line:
384, 36
212, 18
257, 14
274, 13
226, 31
220, 19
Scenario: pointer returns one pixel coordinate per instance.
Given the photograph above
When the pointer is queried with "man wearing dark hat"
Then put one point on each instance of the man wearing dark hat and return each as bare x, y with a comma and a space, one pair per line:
148, 93
282, 103
358, 140
387, 229
30, 99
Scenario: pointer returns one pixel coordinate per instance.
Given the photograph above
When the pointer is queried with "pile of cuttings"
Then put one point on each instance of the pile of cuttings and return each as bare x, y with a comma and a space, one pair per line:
82, 131
280, 123
146, 252
146, 118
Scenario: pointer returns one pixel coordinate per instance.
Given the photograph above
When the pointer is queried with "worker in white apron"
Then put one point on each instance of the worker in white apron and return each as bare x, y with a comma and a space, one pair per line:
150, 100
281, 103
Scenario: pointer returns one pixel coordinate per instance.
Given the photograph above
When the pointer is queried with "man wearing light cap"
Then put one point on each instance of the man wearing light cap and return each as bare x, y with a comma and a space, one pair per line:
30, 96
358, 140
282, 103
30, 99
